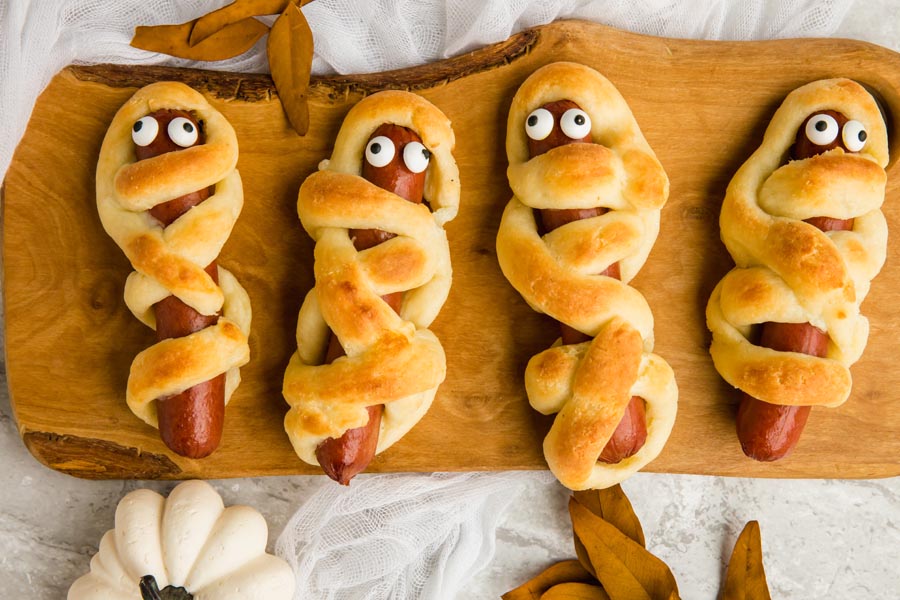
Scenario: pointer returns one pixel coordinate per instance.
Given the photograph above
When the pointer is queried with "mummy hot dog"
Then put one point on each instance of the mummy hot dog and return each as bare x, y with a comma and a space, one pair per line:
802, 219
385, 166
572, 125
168, 194
367, 368
585, 213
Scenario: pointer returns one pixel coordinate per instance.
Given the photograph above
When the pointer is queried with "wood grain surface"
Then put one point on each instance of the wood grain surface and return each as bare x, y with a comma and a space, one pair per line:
703, 106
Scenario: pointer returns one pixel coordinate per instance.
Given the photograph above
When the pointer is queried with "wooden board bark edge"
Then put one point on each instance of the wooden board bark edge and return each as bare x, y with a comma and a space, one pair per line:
250, 87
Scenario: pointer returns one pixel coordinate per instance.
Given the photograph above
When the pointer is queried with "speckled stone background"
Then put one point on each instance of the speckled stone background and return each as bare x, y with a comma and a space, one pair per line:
822, 539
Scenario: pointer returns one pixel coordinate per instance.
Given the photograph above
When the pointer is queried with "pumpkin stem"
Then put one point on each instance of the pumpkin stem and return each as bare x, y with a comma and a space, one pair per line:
149, 589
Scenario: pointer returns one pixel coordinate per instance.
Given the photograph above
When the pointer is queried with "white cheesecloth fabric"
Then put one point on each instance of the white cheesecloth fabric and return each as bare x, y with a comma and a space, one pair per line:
390, 536
398, 536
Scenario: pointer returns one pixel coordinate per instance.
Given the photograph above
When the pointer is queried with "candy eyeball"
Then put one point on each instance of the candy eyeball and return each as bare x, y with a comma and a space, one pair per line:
575, 123
183, 132
380, 151
144, 131
416, 157
854, 135
539, 124
821, 129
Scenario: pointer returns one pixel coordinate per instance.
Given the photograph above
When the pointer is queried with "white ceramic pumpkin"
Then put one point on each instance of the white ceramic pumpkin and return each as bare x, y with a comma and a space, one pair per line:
190, 541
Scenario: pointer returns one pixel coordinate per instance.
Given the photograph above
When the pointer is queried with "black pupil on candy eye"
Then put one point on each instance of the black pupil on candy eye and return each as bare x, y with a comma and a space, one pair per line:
579, 119
426, 153
532, 120
138, 125
376, 148
188, 127
862, 136
821, 125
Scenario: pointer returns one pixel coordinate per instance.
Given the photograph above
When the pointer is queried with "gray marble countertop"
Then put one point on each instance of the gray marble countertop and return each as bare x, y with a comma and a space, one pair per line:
821, 538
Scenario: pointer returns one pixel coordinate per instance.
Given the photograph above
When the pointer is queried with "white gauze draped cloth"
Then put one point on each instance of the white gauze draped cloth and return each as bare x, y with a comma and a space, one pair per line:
391, 536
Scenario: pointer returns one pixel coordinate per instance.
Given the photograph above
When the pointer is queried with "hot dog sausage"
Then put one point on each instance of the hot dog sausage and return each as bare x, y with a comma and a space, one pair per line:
342, 458
631, 433
190, 423
769, 432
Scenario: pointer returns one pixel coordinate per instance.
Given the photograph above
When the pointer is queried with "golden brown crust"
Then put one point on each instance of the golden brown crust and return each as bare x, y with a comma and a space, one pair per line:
601, 389
391, 359
590, 384
789, 271
415, 113
170, 174
172, 260
148, 254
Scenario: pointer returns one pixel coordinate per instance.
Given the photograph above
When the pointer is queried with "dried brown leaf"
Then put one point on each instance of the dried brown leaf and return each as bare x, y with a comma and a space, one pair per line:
625, 569
567, 571
238, 10
290, 49
613, 506
575, 591
228, 42
746, 577
583, 558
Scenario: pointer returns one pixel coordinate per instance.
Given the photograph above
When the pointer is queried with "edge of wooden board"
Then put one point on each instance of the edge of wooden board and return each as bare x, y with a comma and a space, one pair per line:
256, 87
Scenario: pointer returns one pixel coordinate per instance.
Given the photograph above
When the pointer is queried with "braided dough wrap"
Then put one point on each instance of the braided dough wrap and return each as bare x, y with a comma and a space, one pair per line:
390, 359
171, 260
788, 271
589, 384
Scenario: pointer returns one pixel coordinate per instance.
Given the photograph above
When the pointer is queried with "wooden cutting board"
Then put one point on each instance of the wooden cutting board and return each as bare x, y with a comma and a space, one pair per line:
703, 106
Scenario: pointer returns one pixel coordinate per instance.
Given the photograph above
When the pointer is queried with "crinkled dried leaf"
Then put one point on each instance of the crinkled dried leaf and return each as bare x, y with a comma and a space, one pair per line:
746, 577
290, 49
228, 42
614, 507
583, 558
575, 591
566, 571
238, 10
625, 569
